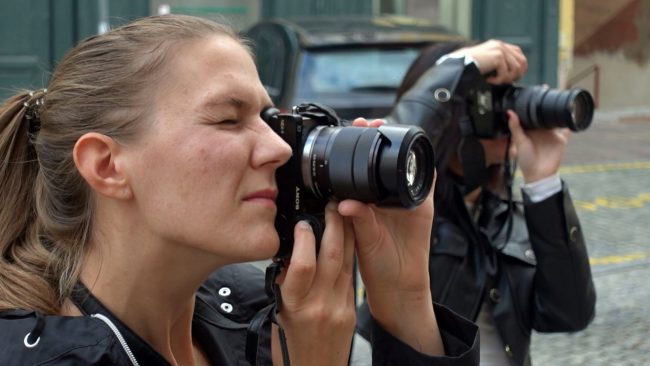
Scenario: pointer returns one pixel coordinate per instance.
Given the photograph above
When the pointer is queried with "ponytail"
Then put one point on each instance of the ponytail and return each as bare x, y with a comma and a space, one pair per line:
24, 281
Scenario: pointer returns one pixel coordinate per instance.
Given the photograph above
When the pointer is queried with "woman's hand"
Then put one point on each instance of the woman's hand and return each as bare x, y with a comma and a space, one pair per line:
507, 60
539, 152
393, 255
318, 310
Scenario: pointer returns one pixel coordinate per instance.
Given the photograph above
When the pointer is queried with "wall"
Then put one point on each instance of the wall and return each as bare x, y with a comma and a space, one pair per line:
240, 13
453, 14
614, 36
624, 83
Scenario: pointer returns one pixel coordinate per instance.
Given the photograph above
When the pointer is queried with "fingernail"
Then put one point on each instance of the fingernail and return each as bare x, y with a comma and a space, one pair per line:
303, 225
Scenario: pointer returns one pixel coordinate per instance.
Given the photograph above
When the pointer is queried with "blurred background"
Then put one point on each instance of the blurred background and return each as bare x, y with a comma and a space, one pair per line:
601, 46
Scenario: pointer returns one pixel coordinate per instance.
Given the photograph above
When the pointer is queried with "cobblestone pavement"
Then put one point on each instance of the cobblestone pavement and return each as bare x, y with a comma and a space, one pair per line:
608, 170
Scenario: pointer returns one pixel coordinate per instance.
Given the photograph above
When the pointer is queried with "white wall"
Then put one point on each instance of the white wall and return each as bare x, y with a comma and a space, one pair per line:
623, 83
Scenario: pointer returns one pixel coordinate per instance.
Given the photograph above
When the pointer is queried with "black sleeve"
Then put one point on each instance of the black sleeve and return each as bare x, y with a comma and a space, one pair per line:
564, 297
459, 336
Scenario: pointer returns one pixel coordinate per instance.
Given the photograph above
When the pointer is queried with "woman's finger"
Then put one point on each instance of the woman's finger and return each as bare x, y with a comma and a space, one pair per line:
521, 58
363, 219
360, 122
331, 253
514, 67
516, 130
347, 270
302, 266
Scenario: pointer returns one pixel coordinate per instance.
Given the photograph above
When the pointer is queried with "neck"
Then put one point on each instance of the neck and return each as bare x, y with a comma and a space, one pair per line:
149, 284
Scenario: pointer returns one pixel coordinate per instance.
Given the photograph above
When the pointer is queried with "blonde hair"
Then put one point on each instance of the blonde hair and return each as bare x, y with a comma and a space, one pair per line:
46, 208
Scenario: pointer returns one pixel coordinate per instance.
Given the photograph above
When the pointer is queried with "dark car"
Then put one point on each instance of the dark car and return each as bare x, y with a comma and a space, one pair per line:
353, 65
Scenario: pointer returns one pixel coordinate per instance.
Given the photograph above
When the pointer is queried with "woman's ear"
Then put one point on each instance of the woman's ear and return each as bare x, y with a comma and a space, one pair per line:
95, 156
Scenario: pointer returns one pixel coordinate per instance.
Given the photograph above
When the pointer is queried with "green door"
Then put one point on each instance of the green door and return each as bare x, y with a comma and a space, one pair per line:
298, 8
531, 24
25, 48
35, 34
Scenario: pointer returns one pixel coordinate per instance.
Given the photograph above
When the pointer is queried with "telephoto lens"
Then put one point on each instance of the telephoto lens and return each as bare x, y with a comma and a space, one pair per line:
542, 107
390, 165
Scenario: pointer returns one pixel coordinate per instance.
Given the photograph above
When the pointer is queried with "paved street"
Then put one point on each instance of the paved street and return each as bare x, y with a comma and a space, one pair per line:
608, 170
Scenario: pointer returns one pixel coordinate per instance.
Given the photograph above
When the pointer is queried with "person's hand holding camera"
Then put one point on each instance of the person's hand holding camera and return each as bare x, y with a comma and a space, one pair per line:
539, 152
507, 61
392, 247
317, 311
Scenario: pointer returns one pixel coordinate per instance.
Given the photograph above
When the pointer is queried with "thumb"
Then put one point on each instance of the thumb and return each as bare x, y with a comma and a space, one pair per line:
516, 130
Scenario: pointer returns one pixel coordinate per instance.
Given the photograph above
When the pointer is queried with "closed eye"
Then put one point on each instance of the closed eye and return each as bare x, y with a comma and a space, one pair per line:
221, 122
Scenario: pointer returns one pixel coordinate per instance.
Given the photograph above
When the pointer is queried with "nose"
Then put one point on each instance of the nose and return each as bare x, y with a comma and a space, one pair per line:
271, 149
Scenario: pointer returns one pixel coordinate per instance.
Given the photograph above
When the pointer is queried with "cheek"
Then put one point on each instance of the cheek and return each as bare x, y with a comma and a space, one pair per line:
223, 160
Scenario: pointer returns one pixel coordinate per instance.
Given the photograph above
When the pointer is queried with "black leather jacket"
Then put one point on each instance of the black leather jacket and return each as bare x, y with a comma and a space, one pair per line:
225, 305
539, 279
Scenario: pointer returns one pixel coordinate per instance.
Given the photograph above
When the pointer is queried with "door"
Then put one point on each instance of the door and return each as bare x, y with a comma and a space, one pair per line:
35, 34
25, 48
531, 24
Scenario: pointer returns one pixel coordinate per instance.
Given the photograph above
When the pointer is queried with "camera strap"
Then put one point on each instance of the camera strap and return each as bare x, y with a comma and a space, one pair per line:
508, 178
266, 316
472, 158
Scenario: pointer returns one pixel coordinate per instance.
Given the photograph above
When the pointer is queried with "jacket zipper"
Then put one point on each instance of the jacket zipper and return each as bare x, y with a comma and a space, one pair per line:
119, 336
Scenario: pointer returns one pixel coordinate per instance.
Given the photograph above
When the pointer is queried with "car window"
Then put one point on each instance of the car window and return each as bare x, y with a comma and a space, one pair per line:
270, 50
348, 71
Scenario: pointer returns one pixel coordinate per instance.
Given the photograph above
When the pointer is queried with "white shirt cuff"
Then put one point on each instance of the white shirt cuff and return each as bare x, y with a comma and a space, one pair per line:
542, 189
467, 58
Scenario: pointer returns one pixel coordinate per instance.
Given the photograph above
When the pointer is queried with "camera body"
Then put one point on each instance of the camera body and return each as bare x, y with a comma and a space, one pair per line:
537, 107
391, 165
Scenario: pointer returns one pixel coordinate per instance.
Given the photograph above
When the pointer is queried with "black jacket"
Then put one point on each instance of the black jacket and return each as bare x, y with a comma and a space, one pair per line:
539, 279
224, 306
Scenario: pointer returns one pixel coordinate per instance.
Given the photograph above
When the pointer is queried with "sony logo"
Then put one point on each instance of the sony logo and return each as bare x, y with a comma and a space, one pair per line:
297, 201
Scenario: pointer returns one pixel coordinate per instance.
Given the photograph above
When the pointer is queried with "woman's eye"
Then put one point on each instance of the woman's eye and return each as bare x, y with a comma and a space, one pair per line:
228, 122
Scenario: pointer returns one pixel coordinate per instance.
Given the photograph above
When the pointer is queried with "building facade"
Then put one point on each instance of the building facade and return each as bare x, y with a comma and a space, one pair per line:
600, 46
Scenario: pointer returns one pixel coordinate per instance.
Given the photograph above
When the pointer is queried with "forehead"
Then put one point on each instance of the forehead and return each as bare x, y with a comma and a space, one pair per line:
216, 67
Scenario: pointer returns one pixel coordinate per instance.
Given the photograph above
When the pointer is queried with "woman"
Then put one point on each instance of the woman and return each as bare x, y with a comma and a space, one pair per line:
145, 169
511, 267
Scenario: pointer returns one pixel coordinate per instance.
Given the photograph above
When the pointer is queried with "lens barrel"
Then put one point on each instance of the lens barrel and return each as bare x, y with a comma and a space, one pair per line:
390, 165
542, 107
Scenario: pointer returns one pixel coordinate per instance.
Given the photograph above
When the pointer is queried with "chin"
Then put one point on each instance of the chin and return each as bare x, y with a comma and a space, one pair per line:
266, 248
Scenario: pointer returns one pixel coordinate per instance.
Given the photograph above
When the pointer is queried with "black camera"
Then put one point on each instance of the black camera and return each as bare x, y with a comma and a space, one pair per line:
537, 107
392, 165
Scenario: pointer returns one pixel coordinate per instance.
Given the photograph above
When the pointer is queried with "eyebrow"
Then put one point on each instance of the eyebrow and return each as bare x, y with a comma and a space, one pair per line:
236, 102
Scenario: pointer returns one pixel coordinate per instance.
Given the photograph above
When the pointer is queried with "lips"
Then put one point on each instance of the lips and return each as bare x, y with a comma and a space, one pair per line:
265, 194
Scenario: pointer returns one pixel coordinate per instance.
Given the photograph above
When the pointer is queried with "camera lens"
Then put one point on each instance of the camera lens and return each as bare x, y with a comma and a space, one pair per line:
390, 165
411, 168
541, 107
582, 109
